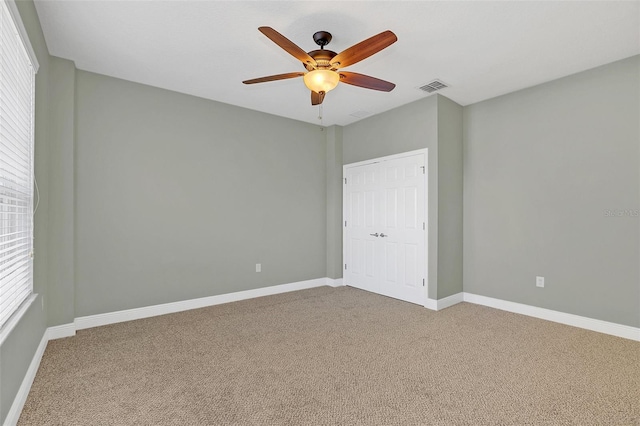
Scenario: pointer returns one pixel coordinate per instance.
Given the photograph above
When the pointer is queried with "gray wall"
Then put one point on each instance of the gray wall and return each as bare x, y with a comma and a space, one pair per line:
407, 128
61, 193
449, 197
179, 197
20, 345
334, 201
541, 168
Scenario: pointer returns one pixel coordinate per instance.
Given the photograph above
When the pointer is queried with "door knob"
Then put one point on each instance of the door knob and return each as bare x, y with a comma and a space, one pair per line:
382, 235
374, 235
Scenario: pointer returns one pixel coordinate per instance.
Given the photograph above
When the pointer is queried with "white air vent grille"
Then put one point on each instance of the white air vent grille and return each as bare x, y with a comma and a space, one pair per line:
433, 86
360, 114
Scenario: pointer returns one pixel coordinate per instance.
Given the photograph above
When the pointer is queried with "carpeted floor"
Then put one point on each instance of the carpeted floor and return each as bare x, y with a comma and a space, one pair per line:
341, 356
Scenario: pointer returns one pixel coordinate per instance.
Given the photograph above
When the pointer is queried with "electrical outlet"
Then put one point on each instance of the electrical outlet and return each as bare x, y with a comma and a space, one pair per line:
539, 281
258, 267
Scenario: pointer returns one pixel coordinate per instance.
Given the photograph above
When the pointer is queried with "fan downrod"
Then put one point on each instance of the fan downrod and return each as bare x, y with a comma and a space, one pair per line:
322, 38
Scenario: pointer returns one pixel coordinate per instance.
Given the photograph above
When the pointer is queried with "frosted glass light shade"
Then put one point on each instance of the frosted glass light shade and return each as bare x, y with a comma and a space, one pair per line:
321, 80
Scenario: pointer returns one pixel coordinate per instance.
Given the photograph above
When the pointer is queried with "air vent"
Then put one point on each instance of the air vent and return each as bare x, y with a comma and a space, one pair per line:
435, 85
360, 114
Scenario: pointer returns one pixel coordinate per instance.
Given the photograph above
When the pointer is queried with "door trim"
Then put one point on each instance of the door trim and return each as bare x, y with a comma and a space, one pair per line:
387, 158
425, 151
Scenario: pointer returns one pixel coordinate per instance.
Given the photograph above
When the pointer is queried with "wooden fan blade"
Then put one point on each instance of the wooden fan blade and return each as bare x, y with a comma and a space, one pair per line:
288, 45
317, 98
361, 80
364, 49
274, 78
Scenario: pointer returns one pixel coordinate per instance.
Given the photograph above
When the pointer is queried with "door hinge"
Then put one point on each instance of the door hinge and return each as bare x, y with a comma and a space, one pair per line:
423, 168
345, 266
345, 181
345, 223
423, 226
423, 282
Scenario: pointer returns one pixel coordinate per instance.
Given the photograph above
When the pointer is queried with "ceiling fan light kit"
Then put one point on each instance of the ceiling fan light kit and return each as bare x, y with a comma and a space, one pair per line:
321, 80
322, 65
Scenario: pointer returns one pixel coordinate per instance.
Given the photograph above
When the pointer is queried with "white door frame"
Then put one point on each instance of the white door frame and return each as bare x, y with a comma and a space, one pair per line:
345, 167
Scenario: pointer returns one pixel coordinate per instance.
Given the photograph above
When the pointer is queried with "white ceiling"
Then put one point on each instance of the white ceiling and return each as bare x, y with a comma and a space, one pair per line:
206, 48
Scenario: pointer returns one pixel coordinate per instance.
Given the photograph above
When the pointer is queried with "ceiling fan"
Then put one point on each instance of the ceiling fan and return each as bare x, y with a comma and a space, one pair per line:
323, 65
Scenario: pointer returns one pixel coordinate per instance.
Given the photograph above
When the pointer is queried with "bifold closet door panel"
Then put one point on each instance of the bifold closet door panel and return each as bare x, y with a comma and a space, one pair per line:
363, 217
403, 240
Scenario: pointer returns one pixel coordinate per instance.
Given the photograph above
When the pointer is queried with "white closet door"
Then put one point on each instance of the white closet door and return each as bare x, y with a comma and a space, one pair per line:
384, 233
402, 233
363, 218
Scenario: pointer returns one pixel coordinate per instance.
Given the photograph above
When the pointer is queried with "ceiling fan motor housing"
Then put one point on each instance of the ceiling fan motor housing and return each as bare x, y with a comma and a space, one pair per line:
322, 58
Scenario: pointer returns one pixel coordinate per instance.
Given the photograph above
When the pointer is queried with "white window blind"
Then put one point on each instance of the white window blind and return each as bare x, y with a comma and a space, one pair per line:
17, 77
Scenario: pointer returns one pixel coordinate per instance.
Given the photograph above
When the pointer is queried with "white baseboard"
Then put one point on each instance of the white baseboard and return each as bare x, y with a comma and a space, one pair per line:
60, 331
334, 282
431, 304
21, 397
454, 299
185, 305
619, 330
80, 323
440, 304
600, 326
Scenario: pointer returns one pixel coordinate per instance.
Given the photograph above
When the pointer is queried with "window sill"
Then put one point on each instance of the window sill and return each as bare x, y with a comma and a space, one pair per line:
13, 321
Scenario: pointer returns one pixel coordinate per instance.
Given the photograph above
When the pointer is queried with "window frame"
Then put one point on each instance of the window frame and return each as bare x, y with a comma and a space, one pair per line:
10, 8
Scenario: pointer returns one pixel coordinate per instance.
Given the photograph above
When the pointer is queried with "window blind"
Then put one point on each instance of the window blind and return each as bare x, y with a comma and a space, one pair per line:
17, 78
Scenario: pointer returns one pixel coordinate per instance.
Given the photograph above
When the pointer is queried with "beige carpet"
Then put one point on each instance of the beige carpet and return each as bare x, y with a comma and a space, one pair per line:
337, 356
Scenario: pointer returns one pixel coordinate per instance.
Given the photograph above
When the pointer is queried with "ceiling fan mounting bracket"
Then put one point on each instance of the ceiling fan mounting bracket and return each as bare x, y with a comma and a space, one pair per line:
322, 38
